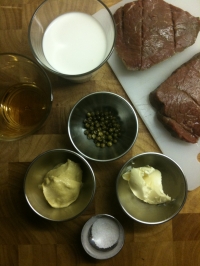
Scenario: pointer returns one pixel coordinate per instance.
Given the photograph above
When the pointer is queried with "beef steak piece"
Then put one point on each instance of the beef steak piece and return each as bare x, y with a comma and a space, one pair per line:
177, 101
129, 34
150, 31
186, 28
158, 33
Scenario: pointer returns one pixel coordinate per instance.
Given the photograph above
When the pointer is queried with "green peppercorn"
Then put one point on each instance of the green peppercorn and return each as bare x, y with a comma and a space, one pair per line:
103, 145
103, 127
93, 136
88, 114
89, 136
100, 133
109, 143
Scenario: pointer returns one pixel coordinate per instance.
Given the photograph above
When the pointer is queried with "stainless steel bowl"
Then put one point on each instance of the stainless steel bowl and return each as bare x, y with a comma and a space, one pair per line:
174, 184
34, 177
112, 102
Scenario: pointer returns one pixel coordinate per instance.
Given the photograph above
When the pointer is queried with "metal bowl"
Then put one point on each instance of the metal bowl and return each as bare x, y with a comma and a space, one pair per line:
174, 184
111, 102
34, 178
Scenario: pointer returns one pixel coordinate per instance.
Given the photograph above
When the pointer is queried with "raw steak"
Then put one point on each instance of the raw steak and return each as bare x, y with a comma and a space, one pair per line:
150, 31
177, 101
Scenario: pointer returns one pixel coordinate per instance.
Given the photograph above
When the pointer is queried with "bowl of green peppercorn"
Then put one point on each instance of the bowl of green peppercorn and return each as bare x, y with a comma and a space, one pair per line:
103, 126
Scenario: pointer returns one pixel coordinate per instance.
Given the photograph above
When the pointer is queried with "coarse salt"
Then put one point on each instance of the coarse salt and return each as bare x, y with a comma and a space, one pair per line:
105, 233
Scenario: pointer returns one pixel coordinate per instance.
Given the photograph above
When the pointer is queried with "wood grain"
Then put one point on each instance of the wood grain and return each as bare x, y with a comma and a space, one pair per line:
28, 240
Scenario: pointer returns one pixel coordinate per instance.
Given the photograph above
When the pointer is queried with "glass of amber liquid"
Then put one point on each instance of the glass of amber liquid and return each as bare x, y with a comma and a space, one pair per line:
25, 97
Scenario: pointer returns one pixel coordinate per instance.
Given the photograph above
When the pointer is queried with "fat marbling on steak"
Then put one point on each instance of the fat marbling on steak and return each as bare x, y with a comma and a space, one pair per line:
150, 31
177, 101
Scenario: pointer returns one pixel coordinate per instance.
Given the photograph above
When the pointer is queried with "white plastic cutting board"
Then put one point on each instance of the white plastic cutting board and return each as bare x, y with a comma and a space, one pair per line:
138, 85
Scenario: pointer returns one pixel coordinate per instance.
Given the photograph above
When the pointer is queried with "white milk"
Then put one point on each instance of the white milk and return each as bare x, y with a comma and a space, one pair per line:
74, 43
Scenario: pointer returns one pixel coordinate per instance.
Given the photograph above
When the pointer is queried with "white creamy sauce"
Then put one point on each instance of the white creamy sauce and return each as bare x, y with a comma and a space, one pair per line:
146, 184
74, 43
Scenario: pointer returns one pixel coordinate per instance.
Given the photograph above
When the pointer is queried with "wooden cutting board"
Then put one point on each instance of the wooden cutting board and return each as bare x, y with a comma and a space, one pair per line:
139, 84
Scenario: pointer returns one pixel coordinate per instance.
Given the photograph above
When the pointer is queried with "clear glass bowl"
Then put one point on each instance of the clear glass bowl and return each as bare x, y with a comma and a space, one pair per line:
25, 96
49, 10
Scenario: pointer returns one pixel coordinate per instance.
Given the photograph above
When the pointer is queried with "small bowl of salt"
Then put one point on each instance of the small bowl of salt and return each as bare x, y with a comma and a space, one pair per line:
102, 236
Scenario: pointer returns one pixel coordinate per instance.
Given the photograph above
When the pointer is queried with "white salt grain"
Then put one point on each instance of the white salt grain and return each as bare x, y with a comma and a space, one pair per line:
105, 233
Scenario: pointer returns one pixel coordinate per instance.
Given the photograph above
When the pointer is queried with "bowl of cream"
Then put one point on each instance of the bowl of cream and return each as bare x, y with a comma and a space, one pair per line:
59, 185
72, 38
151, 188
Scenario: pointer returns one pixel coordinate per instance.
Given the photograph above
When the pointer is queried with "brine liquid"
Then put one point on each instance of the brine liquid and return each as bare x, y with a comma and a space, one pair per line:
22, 106
74, 43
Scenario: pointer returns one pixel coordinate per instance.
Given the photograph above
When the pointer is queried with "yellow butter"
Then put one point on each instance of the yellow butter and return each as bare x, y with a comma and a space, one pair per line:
61, 185
146, 184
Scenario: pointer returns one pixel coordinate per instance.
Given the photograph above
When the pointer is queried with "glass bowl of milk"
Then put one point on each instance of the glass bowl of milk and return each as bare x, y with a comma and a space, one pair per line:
72, 38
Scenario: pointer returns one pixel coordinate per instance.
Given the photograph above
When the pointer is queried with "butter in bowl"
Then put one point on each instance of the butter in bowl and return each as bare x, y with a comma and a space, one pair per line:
151, 188
59, 185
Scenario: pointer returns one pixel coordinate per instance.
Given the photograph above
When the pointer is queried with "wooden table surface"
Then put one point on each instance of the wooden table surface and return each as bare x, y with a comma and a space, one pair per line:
28, 240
